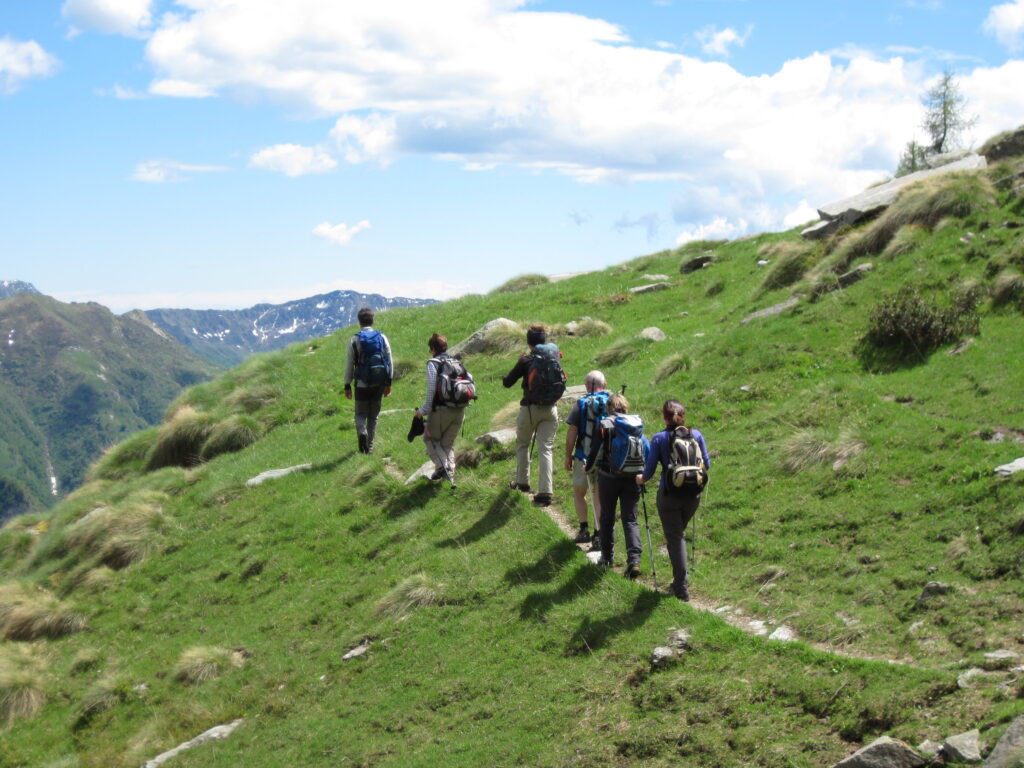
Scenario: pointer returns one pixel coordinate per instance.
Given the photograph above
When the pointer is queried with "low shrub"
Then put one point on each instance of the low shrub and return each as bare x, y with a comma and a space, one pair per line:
521, 283
229, 436
910, 323
180, 441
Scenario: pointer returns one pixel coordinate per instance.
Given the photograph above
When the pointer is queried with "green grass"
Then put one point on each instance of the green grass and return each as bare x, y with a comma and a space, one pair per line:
492, 640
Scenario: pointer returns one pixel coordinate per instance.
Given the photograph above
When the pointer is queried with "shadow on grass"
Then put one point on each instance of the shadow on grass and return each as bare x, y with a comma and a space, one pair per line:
415, 498
333, 464
537, 604
547, 566
592, 635
497, 515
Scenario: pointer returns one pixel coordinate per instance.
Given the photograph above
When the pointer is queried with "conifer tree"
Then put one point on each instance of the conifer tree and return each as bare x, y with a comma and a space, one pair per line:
945, 119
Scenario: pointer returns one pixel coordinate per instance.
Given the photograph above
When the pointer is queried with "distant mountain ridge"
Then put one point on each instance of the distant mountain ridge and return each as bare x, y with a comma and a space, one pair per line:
227, 337
74, 380
11, 288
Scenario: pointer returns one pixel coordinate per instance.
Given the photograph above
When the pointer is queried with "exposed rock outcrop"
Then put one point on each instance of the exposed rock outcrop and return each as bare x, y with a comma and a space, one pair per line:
883, 752
477, 342
1007, 144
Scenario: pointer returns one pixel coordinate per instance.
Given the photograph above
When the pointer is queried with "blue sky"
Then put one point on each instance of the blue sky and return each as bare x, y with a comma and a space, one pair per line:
209, 153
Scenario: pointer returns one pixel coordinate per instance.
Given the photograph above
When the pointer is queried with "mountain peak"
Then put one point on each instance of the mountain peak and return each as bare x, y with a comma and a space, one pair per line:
10, 288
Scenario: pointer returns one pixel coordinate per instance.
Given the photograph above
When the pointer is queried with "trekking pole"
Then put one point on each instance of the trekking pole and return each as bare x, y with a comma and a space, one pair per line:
650, 546
693, 535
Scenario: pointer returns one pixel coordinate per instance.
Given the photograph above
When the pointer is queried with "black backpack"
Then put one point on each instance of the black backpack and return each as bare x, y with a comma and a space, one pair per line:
455, 386
686, 471
545, 379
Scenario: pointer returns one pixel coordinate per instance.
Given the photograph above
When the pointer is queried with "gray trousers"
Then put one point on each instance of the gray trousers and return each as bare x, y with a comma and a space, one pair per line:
367, 412
542, 421
675, 513
622, 491
443, 427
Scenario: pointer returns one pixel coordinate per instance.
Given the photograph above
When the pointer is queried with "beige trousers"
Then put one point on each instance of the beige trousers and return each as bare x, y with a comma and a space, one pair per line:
542, 421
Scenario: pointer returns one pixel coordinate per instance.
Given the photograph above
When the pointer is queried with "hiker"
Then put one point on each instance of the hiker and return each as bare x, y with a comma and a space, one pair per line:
368, 363
543, 385
444, 407
618, 453
683, 454
582, 422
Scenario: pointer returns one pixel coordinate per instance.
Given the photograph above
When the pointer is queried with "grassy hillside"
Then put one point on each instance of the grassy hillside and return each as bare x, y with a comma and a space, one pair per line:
854, 438
77, 379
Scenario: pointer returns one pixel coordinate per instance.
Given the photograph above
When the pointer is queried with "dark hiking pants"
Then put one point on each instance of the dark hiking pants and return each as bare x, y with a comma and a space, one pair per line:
613, 491
675, 513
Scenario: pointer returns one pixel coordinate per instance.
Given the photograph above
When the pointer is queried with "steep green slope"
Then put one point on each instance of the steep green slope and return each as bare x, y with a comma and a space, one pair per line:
78, 379
846, 477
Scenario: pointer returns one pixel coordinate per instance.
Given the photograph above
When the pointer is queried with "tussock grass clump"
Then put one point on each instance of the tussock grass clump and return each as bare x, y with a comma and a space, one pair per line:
505, 338
671, 365
251, 397
21, 686
1008, 289
613, 300
714, 288
232, 435
621, 351
521, 283
468, 457
121, 534
925, 204
402, 368
30, 616
904, 241
910, 323
201, 663
86, 660
806, 449
15, 543
414, 592
102, 696
698, 246
126, 458
588, 326
789, 260
180, 441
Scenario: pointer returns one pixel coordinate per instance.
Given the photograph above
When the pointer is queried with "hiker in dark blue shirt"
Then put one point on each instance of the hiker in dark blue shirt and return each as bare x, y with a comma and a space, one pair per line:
368, 364
676, 505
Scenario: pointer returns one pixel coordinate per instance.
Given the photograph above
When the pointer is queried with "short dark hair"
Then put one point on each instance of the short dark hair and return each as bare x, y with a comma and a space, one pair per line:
365, 316
438, 344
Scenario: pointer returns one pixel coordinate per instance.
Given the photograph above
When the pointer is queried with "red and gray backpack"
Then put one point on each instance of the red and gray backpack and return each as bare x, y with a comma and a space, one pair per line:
455, 386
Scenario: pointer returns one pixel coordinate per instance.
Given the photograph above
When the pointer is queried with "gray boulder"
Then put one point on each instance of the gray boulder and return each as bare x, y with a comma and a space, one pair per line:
883, 752
929, 748
932, 590
498, 437
1007, 144
1009, 750
477, 342
273, 474
697, 262
652, 333
655, 277
1001, 659
963, 748
217, 733
1008, 469
662, 656
650, 288
853, 209
937, 161
425, 470
777, 309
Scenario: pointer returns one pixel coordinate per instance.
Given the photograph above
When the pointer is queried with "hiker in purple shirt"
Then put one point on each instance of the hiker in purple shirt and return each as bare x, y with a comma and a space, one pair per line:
676, 505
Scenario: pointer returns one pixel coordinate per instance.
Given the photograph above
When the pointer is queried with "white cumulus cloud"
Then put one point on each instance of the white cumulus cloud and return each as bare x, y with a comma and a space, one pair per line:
1006, 23
717, 42
491, 83
163, 171
719, 228
339, 234
293, 160
21, 61
132, 18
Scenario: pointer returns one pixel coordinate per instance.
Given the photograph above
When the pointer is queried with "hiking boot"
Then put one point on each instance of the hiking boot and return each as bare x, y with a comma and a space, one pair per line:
439, 474
595, 543
524, 487
605, 563
542, 499
683, 594
583, 537
362, 444
633, 572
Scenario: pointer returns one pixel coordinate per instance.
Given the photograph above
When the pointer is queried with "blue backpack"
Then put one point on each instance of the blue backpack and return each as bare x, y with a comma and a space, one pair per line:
593, 408
626, 447
372, 366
